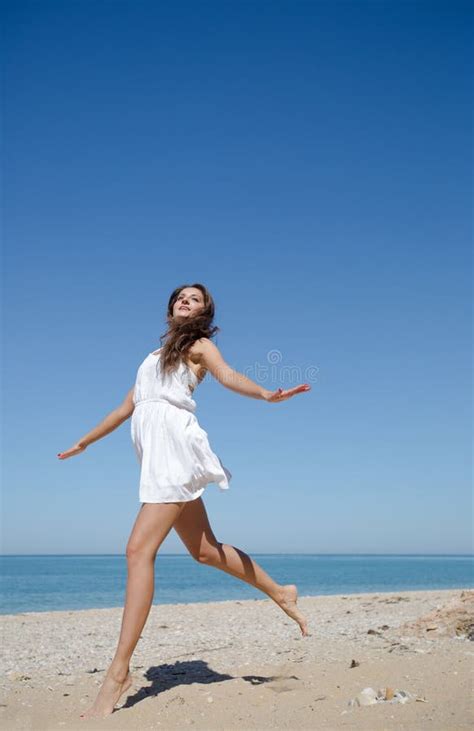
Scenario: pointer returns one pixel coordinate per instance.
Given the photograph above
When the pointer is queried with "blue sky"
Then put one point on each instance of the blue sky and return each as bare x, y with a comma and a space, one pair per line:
310, 163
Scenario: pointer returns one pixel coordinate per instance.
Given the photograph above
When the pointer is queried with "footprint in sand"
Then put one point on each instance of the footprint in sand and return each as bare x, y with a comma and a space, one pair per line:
284, 683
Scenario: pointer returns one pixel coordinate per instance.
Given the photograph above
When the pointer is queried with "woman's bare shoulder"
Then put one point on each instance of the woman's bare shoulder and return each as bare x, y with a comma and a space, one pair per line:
203, 344
197, 347
196, 353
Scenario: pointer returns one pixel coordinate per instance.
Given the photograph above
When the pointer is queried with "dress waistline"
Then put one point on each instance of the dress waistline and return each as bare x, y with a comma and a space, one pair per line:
164, 401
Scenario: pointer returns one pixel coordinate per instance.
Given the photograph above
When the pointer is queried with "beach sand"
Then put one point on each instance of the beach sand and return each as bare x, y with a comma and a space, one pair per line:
244, 665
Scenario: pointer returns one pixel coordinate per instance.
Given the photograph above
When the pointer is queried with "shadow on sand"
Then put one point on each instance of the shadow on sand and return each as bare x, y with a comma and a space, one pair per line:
164, 677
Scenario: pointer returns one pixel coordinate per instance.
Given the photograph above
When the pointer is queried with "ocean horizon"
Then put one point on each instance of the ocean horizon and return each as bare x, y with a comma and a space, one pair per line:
54, 582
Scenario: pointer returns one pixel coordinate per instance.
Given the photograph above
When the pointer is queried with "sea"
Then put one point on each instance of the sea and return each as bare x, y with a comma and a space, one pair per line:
44, 583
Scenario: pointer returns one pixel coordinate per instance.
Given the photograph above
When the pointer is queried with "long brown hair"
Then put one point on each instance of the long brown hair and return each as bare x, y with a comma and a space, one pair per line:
181, 335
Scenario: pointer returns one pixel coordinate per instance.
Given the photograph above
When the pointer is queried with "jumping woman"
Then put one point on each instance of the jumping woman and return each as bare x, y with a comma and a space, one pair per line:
177, 463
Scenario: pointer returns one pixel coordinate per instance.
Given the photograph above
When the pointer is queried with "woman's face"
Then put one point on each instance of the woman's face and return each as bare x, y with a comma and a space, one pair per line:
189, 303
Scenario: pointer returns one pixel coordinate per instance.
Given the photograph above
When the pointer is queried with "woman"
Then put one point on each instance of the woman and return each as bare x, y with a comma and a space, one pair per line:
177, 463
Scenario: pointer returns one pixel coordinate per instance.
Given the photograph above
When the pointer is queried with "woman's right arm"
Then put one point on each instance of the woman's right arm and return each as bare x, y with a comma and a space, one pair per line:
107, 425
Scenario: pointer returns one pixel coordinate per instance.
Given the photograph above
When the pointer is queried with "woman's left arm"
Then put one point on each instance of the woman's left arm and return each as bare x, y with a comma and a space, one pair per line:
211, 358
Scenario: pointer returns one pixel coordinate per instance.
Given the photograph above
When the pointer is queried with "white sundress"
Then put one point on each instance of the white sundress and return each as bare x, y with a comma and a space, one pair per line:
173, 450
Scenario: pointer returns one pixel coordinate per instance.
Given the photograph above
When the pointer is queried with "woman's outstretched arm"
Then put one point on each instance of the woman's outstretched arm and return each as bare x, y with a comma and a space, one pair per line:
210, 357
107, 425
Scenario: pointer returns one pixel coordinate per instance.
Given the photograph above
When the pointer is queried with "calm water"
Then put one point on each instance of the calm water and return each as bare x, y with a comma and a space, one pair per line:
45, 583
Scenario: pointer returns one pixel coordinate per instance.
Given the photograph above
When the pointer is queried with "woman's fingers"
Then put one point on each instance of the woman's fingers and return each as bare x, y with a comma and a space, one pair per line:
293, 391
66, 454
299, 389
76, 449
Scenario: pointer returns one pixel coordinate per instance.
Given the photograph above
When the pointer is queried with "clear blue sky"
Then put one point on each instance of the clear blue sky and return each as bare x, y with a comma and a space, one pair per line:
309, 162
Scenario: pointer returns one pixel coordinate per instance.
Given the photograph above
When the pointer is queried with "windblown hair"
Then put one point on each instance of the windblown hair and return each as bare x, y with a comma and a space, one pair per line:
181, 335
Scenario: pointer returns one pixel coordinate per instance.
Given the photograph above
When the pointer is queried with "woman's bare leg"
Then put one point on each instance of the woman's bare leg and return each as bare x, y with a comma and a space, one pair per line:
194, 529
153, 523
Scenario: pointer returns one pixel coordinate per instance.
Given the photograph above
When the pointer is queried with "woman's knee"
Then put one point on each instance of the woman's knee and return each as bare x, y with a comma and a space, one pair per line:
136, 552
207, 553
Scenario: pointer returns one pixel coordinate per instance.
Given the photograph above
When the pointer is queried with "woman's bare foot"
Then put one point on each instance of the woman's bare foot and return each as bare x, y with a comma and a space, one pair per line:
287, 601
108, 696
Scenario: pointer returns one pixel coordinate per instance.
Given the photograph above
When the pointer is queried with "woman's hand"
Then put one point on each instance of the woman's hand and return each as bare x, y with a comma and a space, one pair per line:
76, 449
281, 395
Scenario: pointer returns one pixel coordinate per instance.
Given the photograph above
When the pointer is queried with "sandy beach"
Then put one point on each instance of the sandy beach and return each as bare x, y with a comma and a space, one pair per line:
244, 665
